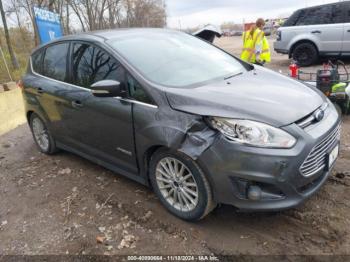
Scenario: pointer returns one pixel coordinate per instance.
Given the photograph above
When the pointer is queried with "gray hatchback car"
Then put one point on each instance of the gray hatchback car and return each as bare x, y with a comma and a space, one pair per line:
169, 110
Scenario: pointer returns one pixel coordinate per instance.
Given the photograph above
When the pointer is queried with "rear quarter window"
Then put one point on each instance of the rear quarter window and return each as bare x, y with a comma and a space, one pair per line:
291, 21
37, 59
55, 61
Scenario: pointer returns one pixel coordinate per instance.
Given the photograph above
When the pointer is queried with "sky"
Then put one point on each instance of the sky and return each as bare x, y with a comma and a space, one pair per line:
184, 14
192, 13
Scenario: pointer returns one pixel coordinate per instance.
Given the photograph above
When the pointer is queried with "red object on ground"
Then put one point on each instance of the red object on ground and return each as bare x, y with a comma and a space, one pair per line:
293, 70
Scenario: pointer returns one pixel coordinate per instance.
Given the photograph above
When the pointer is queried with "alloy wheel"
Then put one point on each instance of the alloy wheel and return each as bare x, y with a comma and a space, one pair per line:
40, 134
177, 184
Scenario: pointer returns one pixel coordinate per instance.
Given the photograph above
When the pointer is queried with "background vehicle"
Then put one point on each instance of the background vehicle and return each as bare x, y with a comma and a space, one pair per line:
208, 33
267, 30
237, 33
314, 32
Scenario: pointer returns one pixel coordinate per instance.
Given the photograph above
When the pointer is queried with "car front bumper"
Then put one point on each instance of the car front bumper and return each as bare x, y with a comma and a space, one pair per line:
280, 47
233, 168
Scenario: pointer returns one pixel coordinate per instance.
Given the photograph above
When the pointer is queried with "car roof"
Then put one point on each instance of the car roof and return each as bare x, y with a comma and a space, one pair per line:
330, 4
111, 33
103, 35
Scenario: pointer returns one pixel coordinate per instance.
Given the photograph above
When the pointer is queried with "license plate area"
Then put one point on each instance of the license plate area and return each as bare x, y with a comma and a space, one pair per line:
332, 156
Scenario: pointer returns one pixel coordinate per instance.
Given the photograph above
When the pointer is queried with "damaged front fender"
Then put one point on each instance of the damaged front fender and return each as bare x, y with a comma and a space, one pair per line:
198, 138
176, 130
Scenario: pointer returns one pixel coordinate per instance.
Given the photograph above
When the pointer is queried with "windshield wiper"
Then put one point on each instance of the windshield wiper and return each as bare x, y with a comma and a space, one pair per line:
228, 77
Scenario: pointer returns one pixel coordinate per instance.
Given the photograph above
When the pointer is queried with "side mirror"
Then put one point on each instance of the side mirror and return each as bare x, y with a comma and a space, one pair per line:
107, 88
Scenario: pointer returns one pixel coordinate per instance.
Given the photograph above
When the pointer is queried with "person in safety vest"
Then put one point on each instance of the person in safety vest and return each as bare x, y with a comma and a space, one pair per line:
347, 90
255, 45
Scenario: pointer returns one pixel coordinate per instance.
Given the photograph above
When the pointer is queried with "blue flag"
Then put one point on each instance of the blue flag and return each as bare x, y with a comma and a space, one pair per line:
48, 25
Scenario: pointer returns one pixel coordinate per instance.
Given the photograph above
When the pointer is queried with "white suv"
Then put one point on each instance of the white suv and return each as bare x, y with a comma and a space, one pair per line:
316, 31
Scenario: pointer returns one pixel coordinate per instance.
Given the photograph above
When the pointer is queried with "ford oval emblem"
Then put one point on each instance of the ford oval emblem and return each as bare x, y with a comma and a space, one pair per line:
319, 115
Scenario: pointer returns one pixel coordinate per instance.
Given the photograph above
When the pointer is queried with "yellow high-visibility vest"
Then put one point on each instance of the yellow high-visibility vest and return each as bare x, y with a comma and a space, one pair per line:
249, 46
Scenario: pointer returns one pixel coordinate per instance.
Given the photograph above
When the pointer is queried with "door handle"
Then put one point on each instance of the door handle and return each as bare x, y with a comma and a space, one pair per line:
77, 104
40, 90
348, 30
316, 32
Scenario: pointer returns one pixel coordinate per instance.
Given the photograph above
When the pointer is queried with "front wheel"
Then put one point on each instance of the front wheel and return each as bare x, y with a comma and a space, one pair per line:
180, 185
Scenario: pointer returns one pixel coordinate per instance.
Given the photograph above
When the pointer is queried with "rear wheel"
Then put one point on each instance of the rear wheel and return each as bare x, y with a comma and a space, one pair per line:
305, 54
41, 135
180, 185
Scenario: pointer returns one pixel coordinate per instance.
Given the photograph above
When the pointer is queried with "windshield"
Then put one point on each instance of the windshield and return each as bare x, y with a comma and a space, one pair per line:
175, 59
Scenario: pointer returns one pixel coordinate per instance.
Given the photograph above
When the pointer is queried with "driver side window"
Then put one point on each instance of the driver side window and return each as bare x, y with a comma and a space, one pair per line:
91, 64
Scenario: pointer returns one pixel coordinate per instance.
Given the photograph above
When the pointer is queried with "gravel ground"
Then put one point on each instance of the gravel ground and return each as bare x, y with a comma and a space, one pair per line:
64, 204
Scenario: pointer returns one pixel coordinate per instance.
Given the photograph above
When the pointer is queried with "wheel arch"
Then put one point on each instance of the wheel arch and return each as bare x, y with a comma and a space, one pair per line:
146, 159
155, 148
294, 45
29, 114
38, 112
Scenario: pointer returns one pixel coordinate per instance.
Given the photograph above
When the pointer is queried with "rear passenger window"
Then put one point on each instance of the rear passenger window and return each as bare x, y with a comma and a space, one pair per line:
55, 61
316, 16
338, 14
345, 7
91, 64
347, 17
37, 61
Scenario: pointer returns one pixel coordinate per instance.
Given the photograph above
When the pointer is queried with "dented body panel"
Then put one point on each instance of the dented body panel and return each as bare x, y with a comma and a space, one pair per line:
251, 95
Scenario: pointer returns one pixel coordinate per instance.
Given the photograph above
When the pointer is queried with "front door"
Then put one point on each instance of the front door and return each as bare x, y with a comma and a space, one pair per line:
100, 127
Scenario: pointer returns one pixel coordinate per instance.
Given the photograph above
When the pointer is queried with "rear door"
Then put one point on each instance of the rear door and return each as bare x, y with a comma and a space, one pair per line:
322, 28
49, 66
100, 127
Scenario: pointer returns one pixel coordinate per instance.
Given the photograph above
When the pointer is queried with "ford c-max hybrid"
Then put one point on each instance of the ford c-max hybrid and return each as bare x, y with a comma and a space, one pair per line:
171, 111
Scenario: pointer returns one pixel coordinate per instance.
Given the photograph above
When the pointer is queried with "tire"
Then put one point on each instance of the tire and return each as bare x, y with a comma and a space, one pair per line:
343, 107
346, 106
45, 142
179, 202
338, 108
305, 54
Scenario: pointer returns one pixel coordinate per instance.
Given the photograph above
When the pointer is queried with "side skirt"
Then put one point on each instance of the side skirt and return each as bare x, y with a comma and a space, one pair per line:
107, 165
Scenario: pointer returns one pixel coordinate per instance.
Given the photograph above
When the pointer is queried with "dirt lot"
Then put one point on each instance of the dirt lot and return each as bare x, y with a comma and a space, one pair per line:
60, 204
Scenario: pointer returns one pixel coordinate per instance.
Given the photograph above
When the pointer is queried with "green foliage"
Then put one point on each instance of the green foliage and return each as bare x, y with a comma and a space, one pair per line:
22, 43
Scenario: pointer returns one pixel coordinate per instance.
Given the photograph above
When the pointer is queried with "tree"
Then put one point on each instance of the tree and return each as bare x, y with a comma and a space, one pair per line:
7, 37
102, 14
145, 13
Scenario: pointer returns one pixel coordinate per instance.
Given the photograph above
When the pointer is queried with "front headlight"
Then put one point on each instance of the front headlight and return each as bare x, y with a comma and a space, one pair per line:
253, 133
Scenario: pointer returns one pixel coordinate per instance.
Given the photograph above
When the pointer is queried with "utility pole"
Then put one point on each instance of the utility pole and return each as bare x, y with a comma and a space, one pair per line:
7, 37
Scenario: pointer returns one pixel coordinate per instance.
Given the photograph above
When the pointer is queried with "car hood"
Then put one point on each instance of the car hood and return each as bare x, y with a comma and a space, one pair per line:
260, 94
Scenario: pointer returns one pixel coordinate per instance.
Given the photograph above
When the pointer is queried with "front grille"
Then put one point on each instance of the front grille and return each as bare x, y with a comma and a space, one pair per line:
317, 159
311, 118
